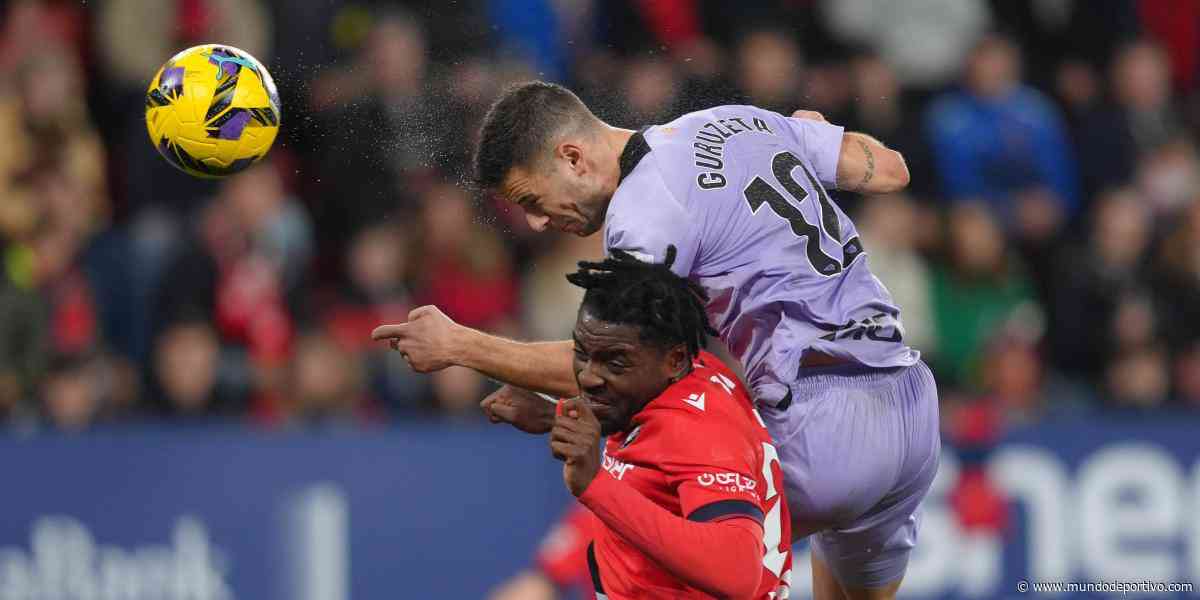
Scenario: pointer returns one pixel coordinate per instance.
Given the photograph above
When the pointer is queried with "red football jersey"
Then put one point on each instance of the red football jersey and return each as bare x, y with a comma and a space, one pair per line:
701, 451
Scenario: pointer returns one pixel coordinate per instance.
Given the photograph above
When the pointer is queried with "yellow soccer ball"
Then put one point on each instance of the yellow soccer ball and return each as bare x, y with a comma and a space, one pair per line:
212, 111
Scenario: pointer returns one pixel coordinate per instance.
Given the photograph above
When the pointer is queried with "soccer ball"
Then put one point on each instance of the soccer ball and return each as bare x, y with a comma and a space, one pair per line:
212, 111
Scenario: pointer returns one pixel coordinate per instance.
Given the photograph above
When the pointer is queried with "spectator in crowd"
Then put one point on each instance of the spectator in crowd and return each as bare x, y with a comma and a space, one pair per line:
1176, 283
1138, 119
650, 88
1138, 378
947, 29
378, 290
465, 271
457, 391
276, 226
188, 373
1169, 176
1003, 143
378, 129
887, 223
326, 386
50, 149
1012, 379
24, 338
982, 290
550, 302
1186, 377
770, 70
1094, 279
70, 397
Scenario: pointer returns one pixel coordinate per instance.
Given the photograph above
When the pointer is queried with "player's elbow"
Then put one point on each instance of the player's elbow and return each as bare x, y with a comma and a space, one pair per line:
746, 586
745, 572
894, 175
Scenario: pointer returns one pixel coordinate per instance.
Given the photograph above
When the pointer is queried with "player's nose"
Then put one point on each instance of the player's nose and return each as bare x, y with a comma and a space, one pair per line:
588, 379
537, 222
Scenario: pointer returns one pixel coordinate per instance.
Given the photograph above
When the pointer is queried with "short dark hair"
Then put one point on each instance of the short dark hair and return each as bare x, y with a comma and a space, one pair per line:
666, 308
519, 124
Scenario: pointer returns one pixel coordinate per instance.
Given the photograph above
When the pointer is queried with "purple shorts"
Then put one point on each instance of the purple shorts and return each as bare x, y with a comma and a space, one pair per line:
859, 448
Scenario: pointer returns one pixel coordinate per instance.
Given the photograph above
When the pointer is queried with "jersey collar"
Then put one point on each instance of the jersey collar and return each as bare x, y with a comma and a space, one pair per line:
635, 149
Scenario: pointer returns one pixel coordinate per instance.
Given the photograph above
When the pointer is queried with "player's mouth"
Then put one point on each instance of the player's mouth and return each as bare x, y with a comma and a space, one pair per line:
597, 403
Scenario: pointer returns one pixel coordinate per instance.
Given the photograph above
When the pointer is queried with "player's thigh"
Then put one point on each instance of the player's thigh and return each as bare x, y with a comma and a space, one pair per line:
841, 447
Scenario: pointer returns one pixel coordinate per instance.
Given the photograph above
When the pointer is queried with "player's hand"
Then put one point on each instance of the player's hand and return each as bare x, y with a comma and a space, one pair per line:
811, 115
520, 408
429, 341
575, 440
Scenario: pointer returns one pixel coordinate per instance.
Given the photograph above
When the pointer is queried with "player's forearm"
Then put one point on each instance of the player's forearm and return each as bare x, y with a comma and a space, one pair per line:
867, 166
723, 559
538, 366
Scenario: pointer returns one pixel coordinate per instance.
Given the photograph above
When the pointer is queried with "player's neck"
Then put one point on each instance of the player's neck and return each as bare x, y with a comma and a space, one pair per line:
615, 138
615, 141
618, 137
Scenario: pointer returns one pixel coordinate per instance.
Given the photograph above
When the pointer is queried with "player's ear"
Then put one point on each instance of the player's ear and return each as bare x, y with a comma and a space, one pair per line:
573, 154
678, 362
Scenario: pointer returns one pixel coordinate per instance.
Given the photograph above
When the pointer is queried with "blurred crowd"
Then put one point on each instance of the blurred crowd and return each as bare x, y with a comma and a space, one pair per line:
1046, 255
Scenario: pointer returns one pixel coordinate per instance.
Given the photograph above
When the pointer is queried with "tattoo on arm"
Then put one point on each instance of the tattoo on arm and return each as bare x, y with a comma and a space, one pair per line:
870, 166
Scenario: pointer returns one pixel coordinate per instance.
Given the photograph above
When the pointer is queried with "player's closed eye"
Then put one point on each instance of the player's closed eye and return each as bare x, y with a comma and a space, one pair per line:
528, 204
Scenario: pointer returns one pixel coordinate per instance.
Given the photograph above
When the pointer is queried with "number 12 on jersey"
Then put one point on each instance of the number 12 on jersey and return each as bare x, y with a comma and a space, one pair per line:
759, 192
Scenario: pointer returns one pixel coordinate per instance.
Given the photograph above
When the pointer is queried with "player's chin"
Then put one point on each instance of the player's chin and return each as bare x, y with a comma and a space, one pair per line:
611, 426
610, 421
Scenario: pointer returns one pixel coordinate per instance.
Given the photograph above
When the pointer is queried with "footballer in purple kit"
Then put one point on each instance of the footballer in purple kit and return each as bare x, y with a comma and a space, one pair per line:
741, 192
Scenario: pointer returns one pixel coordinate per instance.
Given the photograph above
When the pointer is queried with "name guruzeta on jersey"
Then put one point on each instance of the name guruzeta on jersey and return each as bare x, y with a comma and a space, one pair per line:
710, 146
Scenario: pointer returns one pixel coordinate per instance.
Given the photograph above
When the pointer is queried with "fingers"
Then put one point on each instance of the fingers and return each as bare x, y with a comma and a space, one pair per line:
385, 332
504, 411
568, 452
561, 450
577, 408
581, 438
421, 311
575, 432
571, 407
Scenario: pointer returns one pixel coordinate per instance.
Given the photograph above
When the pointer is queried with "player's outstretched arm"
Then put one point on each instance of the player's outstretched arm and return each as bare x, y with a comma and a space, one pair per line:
431, 341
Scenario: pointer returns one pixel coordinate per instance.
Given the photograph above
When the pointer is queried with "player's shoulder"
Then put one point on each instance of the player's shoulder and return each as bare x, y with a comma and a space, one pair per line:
724, 121
709, 397
696, 417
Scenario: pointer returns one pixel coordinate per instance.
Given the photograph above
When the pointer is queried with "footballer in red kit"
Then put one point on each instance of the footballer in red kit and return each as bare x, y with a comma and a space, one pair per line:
663, 446
699, 451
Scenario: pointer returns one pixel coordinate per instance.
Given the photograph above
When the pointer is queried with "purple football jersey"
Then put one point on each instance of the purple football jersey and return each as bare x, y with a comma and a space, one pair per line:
741, 192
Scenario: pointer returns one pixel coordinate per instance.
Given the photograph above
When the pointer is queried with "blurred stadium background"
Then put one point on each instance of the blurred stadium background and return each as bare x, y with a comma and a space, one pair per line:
190, 406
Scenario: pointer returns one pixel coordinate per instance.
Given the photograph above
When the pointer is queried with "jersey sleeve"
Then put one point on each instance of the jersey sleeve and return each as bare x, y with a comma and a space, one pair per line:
820, 144
712, 467
645, 218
